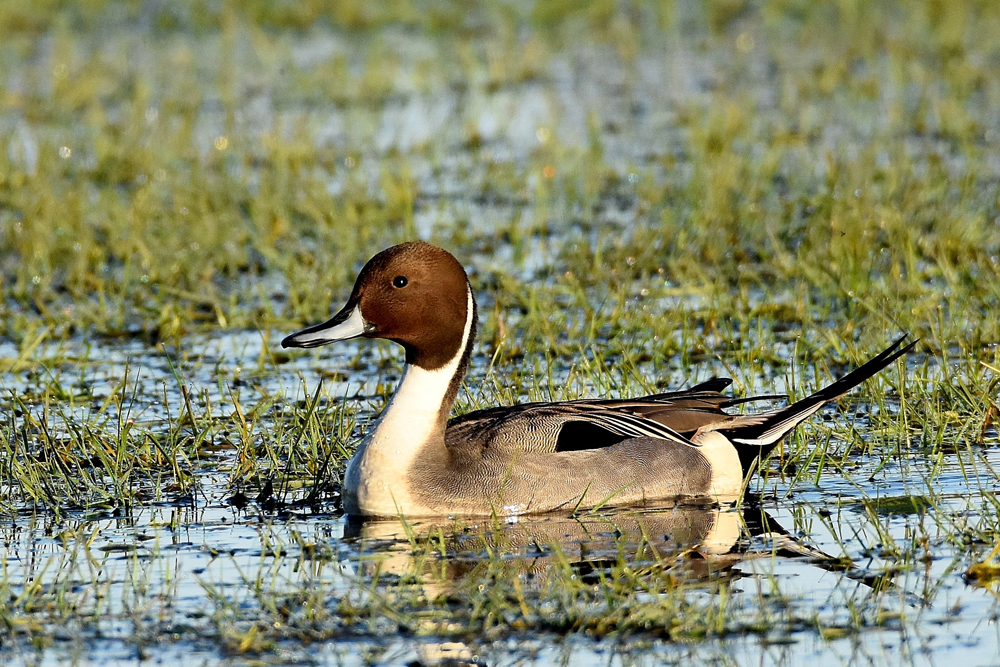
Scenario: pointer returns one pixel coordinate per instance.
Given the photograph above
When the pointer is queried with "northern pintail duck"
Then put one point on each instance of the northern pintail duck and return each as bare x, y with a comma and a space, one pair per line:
534, 457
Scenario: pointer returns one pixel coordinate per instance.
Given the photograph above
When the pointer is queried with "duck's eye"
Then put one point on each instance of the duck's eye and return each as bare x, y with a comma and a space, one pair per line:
399, 281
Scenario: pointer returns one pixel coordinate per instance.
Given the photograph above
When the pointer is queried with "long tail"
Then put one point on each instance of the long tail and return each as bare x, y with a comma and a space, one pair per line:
758, 434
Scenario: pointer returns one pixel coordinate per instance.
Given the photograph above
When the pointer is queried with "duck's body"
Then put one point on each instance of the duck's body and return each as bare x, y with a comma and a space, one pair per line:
536, 457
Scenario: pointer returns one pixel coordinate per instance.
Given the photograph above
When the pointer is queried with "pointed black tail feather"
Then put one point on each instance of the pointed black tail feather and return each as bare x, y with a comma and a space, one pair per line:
715, 384
753, 399
760, 436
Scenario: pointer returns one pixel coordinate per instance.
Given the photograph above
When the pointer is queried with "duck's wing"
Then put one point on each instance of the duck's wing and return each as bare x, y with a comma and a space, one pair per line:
548, 427
592, 423
675, 416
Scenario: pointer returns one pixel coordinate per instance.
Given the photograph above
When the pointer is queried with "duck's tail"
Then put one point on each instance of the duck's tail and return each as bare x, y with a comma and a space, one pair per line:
754, 436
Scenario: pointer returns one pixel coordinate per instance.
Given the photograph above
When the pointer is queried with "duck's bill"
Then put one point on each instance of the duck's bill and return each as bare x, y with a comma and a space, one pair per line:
348, 323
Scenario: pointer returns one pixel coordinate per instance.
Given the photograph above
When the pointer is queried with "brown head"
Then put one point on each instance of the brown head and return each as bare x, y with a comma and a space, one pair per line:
415, 294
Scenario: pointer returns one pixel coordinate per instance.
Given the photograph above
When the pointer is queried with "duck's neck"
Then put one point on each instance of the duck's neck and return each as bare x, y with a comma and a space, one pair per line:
411, 426
418, 411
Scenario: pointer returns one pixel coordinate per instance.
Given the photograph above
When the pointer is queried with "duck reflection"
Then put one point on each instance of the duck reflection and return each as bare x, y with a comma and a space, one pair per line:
538, 563
696, 542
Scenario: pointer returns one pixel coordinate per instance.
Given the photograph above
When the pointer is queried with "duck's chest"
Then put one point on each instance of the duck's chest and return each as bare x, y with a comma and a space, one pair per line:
724, 461
380, 476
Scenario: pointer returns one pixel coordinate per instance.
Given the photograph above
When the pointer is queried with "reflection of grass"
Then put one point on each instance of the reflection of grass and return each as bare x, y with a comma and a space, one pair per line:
822, 177
461, 584
490, 600
301, 590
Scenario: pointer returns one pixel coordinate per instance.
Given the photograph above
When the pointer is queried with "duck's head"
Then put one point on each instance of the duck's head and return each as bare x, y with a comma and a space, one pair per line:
415, 294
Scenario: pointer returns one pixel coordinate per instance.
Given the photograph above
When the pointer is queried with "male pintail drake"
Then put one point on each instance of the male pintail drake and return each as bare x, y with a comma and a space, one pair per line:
536, 457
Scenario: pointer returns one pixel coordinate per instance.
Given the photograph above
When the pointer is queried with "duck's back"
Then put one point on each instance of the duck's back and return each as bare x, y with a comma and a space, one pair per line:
588, 424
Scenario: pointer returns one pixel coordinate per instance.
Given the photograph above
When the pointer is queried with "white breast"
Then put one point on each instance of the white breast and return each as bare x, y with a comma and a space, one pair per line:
376, 480
727, 472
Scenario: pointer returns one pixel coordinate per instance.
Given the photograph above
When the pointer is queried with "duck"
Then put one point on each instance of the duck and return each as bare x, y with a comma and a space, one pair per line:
415, 460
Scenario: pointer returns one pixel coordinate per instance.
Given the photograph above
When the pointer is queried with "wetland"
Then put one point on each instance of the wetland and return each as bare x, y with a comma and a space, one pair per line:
646, 195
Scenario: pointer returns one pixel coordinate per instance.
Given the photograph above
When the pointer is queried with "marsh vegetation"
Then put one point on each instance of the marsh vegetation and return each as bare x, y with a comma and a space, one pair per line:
646, 194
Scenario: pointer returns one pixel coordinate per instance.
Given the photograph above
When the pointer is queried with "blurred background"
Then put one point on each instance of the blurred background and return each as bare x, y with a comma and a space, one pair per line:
168, 167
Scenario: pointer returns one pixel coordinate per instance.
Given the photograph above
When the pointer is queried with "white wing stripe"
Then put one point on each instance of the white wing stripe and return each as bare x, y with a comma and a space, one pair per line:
778, 431
638, 427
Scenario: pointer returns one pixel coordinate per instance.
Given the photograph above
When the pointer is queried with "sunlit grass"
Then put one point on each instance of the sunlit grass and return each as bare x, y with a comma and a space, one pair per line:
647, 194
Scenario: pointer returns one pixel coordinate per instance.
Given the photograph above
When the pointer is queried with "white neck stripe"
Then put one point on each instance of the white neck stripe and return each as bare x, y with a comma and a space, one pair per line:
377, 479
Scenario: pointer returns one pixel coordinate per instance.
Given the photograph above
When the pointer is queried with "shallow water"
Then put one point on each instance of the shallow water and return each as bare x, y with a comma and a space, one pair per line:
185, 574
163, 570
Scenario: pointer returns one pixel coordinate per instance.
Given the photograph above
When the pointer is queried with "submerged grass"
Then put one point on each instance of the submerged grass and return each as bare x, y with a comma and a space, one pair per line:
300, 588
647, 194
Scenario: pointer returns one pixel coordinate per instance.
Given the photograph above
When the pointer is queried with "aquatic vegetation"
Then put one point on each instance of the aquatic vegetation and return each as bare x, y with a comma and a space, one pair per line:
647, 194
